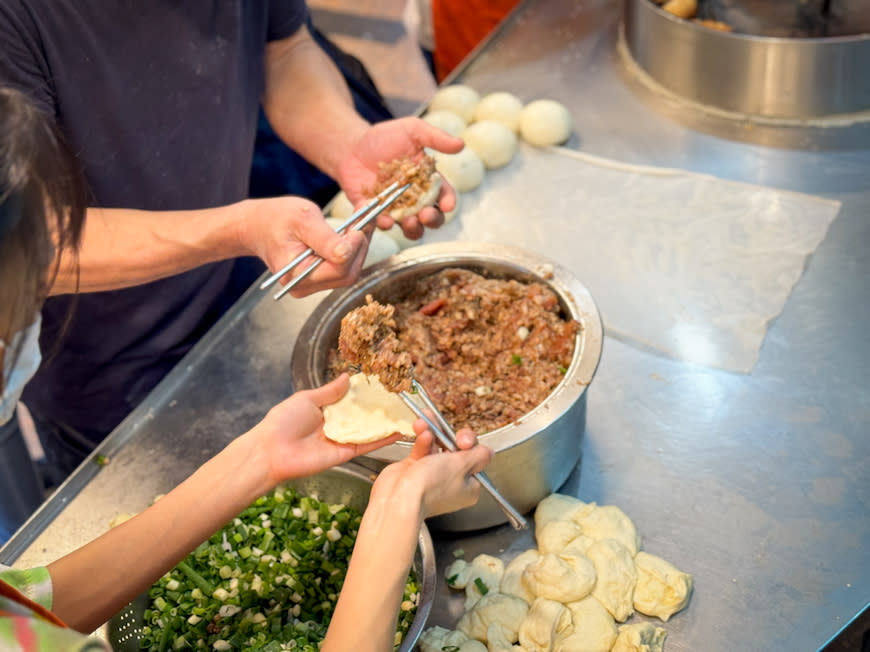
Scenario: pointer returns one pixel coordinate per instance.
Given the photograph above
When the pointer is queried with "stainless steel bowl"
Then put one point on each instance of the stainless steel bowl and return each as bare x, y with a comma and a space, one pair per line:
349, 484
775, 78
534, 455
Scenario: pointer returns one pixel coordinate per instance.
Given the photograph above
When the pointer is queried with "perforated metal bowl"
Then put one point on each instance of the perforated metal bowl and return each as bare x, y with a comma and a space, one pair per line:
349, 484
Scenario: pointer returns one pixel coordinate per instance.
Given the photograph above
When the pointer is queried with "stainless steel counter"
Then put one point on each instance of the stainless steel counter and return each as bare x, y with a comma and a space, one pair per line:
758, 484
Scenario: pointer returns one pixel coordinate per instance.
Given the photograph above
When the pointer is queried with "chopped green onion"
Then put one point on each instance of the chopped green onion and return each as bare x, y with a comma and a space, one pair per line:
101, 460
450, 648
563, 370
452, 579
516, 359
268, 581
459, 552
481, 586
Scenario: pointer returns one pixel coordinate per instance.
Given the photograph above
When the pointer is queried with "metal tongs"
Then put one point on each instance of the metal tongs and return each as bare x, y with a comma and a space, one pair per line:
368, 213
447, 438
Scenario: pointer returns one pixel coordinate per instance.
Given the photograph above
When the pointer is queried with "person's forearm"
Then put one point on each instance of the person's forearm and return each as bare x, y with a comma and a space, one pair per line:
94, 582
368, 606
308, 103
122, 247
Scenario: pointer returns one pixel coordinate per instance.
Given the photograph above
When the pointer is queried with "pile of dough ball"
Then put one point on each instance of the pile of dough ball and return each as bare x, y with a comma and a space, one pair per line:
491, 127
568, 594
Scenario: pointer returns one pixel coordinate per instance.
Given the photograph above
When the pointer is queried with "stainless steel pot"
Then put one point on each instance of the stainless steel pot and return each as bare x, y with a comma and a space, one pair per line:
349, 484
784, 79
534, 455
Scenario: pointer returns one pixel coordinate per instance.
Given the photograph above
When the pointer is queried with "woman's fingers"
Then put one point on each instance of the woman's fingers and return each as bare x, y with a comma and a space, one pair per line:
365, 449
331, 391
423, 444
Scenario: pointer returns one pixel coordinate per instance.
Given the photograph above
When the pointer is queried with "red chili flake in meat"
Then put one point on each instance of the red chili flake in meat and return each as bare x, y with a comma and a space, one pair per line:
433, 306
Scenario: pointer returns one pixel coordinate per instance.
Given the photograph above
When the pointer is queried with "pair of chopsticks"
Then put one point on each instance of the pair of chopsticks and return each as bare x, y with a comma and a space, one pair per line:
447, 438
356, 222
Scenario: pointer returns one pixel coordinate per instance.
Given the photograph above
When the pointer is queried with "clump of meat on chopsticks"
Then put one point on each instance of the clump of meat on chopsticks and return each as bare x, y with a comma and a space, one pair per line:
425, 184
368, 340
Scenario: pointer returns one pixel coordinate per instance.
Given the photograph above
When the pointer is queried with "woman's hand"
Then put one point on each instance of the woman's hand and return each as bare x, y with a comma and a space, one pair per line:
426, 483
384, 142
431, 481
291, 435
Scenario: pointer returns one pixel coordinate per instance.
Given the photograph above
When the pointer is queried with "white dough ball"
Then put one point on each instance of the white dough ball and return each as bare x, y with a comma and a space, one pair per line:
494, 143
458, 98
464, 170
544, 123
448, 216
381, 245
398, 236
341, 207
448, 121
500, 107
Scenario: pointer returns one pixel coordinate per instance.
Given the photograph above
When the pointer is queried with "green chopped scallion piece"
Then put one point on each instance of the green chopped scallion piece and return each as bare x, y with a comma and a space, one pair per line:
516, 359
481, 586
259, 585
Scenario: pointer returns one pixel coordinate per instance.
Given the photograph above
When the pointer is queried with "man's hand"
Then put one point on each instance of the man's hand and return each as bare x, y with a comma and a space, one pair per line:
384, 142
279, 229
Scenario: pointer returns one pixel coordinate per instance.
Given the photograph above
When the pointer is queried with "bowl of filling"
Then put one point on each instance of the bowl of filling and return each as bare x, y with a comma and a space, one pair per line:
505, 342
270, 579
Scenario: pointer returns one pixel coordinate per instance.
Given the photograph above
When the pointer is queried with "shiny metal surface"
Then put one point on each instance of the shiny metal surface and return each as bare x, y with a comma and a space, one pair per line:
773, 77
546, 443
757, 484
348, 484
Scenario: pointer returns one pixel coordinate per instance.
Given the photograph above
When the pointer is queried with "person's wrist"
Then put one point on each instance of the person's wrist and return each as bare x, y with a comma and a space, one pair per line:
402, 499
353, 133
243, 214
251, 454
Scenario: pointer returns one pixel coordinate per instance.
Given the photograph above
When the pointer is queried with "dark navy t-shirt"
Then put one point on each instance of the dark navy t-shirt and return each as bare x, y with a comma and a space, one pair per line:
159, 102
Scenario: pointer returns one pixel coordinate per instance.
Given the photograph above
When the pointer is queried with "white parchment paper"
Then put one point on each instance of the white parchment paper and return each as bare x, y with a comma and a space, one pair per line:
693, 266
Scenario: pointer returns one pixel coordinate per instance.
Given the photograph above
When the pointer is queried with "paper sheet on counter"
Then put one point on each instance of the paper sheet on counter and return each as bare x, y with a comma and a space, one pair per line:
691, 265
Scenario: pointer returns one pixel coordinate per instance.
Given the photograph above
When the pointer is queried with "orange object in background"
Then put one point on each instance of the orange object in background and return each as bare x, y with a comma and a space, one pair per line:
459, 25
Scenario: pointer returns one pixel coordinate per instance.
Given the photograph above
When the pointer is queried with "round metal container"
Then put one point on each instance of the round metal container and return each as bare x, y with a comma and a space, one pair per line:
534, 455
790, 79
349, 484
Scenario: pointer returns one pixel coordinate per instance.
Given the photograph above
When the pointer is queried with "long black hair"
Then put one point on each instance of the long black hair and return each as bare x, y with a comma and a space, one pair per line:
43, 201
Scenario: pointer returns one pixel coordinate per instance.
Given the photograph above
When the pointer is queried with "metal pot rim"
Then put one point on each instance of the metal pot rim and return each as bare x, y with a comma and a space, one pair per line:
574, 296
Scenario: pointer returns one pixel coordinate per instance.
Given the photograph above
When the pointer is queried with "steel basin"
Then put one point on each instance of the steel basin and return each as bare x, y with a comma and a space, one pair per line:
534, 455
790, 80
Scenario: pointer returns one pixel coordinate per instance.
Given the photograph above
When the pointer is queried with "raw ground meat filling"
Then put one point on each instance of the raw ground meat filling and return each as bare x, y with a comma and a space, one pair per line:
488, 351
404, 170
368, 340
